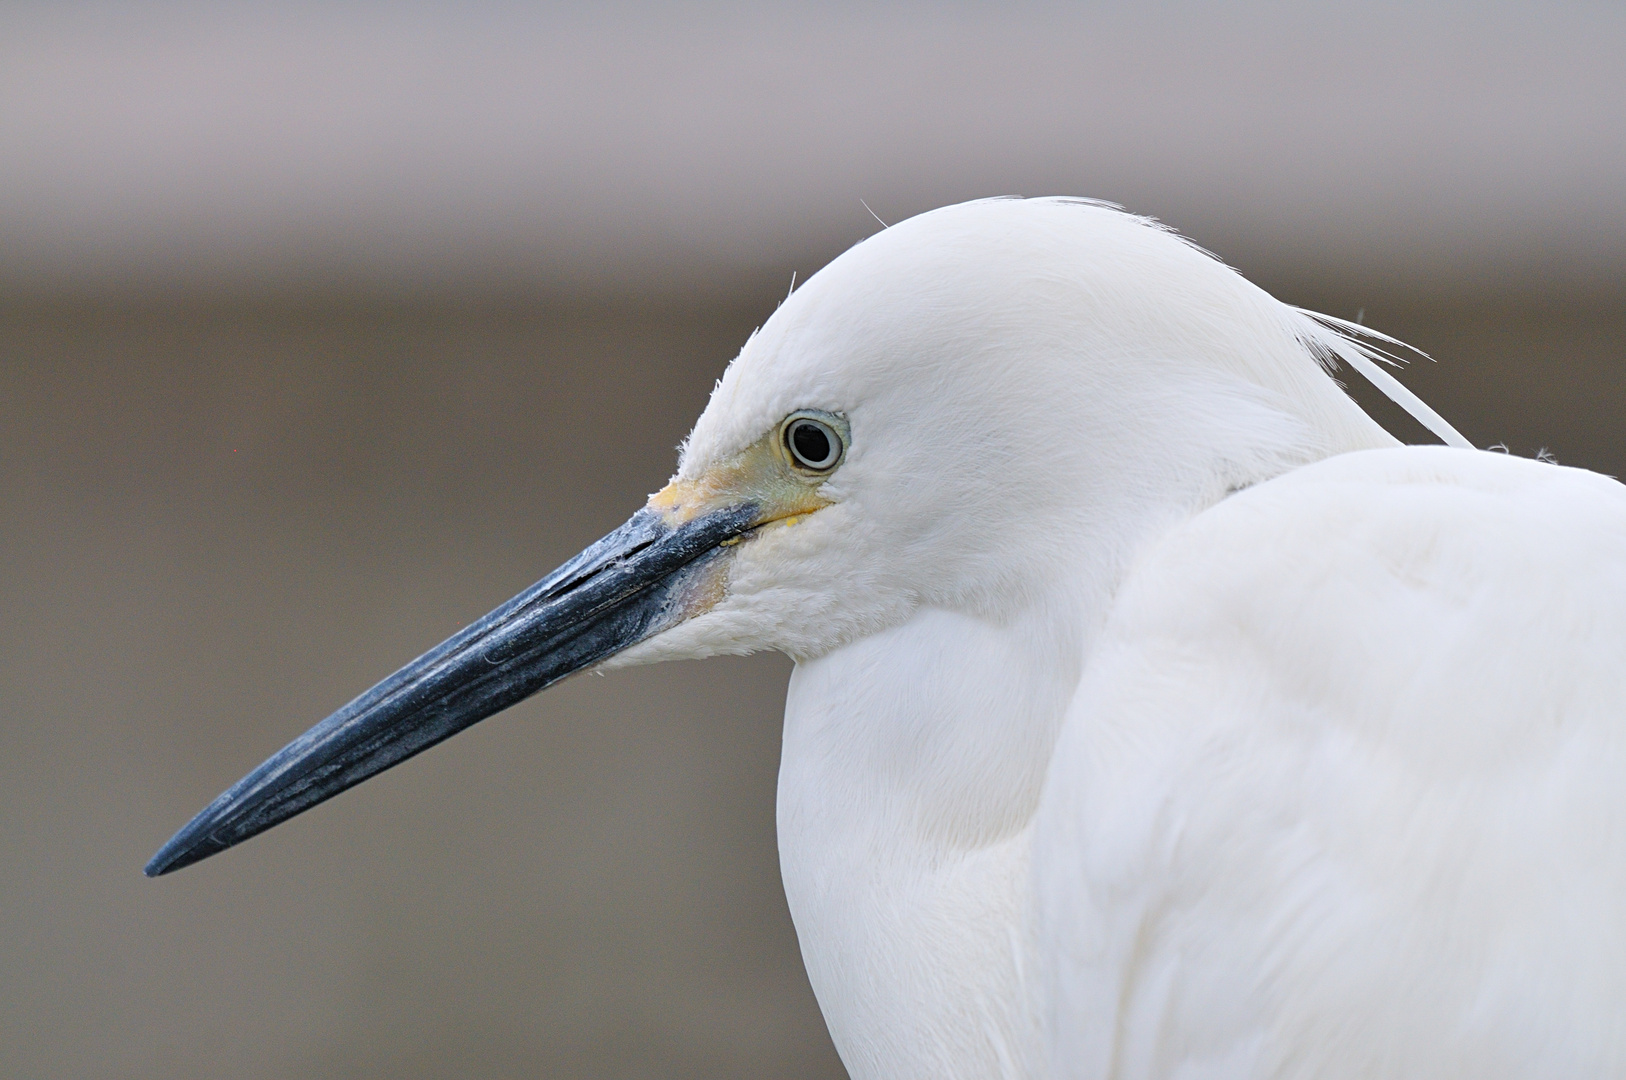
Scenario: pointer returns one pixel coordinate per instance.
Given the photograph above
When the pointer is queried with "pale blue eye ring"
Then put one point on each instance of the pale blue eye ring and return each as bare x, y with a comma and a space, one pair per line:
812, 444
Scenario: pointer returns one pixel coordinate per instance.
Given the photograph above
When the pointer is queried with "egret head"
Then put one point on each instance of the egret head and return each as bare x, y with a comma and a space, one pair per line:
1012, 384
970, 410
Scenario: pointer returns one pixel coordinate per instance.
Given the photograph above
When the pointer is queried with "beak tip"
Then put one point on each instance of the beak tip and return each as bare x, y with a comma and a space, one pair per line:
166, 860
184, 848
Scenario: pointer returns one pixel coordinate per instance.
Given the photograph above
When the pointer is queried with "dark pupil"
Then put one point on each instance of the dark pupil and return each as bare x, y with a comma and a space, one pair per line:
811, 444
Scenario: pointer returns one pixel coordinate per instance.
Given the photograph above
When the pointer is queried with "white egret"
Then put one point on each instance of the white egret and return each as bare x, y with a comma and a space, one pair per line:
1155, 713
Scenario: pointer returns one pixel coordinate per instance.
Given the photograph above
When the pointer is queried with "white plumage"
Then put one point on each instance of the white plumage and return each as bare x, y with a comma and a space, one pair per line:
1340, 792
1155, 714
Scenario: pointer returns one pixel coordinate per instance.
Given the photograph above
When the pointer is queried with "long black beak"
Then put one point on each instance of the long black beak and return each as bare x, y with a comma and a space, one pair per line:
627, 587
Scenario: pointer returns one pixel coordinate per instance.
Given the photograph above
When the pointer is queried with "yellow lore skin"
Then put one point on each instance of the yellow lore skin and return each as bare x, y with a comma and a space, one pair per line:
764, 474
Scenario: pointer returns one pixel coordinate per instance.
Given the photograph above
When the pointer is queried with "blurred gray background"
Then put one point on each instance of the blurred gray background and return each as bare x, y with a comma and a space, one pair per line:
323, 329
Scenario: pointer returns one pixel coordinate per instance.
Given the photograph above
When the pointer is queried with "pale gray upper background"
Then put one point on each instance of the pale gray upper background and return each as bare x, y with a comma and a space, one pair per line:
687, 145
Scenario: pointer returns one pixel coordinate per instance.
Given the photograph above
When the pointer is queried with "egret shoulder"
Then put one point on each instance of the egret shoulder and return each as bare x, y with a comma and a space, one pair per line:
1340, 791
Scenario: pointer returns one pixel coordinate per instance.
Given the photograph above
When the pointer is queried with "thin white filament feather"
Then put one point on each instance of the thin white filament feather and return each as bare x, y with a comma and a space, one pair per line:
1340, 338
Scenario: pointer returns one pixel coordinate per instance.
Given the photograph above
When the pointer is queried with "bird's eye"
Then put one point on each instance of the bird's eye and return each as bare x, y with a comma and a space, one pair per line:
812, 444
